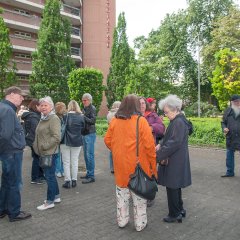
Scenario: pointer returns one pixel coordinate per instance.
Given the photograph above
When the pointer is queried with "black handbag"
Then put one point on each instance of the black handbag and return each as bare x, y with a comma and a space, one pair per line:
45, 161
140, 183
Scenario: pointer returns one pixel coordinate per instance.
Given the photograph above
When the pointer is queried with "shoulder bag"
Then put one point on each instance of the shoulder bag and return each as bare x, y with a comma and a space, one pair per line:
140, 183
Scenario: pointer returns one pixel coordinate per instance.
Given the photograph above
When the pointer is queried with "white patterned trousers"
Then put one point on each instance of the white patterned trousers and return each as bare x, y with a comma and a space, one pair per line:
139, 208
70, 161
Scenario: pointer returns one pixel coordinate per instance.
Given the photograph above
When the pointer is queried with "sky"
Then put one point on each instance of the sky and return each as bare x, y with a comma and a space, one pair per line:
144, 15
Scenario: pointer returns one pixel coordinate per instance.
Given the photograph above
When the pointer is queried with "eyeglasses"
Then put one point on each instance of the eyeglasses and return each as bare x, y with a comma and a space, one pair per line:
85, 100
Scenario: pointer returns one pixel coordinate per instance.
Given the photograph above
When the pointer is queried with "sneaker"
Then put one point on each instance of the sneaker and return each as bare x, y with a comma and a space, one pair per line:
46, 206
56, 200
59, 175
38, 182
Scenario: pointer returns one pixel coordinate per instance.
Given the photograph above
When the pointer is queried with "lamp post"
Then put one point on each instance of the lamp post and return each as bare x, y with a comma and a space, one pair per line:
199, 75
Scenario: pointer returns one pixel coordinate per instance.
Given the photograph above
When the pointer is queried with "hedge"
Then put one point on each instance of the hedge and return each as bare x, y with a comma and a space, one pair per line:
207, 131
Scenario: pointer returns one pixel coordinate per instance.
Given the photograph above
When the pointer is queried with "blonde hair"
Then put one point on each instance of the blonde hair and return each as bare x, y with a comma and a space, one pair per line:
116, 104
73, 106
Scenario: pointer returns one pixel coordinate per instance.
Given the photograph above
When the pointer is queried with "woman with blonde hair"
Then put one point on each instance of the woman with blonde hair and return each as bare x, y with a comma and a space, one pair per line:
72, 143
110, 116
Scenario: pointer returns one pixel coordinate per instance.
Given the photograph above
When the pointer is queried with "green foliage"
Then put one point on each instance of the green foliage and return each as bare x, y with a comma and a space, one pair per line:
121, 57
7, 68
207, 110
226, 76
226, 34
86, 80
207, 131
52, 61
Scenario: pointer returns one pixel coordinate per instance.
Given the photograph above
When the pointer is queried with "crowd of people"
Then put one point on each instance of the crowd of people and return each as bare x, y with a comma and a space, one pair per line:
62, 132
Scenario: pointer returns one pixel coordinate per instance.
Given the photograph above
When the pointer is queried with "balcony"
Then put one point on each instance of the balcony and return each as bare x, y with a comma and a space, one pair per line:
76, 35
23, 42
72, 13
21, 21
76, 53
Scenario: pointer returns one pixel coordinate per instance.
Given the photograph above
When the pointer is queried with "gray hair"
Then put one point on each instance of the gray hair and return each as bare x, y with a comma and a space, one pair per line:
48, 100
173, 102
88, 96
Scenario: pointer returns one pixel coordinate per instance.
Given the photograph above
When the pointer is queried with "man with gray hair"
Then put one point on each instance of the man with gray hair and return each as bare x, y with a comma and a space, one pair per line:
12, 143
231, 129
89, 137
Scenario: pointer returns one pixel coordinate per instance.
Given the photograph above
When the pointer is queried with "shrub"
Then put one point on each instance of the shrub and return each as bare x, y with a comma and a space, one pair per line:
207, 110
207, 131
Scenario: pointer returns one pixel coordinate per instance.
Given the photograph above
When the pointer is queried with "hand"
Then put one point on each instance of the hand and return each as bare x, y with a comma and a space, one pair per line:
225, 130
157, 147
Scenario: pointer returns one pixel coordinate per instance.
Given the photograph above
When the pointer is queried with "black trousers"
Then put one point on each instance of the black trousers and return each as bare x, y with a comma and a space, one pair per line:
175, 202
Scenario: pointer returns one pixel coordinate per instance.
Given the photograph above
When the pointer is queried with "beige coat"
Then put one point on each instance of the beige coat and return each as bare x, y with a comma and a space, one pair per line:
48, 135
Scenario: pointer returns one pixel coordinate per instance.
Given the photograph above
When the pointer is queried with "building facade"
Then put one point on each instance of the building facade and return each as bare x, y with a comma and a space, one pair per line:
93, 23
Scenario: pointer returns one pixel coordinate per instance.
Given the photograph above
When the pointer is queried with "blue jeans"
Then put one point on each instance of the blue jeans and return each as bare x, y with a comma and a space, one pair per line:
111, 161
59, 163
52, 190
11, 182
230, 162
88, 149
37, 172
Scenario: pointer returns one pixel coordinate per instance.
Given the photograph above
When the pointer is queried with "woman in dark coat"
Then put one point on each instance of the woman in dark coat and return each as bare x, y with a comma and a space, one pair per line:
31, 119
174, 167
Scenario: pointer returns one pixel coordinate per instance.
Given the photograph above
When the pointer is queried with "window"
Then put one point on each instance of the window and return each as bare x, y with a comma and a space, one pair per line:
23, 56
22, 12
23, 35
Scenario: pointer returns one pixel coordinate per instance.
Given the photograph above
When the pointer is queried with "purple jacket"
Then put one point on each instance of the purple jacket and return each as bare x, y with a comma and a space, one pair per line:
158, 128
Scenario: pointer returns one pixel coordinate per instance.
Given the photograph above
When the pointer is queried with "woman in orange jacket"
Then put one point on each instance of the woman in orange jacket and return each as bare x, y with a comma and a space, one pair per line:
121, 140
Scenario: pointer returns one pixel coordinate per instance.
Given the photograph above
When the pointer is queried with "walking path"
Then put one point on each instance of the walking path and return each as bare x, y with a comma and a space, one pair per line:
89, 211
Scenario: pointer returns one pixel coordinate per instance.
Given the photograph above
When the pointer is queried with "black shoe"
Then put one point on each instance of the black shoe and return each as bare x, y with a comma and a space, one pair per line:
169, 219
183, 213
3, 214
83, 177
227, 175
21, 216
112, 172
66, 184
74, 183
88, 180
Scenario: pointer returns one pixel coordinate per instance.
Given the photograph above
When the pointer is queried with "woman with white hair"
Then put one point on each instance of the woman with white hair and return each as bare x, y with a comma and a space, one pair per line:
174, 167
47, 139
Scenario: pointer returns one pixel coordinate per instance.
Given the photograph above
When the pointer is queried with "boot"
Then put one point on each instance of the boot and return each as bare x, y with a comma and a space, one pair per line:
66, 184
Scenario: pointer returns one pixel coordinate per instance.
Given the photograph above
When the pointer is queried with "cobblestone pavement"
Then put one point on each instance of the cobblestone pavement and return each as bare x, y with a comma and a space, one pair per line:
89, 211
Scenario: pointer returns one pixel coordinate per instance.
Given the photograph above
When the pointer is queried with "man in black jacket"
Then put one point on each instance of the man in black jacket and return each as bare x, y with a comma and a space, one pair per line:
89, 137
12, 143
231, 129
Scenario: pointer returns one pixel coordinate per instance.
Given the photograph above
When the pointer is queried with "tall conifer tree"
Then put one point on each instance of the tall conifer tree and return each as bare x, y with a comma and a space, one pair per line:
120, 62
52, 60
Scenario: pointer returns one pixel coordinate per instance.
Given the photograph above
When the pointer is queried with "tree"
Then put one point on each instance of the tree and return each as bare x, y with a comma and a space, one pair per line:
121, 57
226, 76
52, 61
86, 80
165, 59
226, 34
7, 69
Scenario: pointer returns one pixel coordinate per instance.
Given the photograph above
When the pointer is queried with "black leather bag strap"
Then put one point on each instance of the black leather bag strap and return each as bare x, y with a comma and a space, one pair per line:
137, 142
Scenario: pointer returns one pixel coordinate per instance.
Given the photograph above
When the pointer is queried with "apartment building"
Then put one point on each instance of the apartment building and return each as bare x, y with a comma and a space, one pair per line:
92, 23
